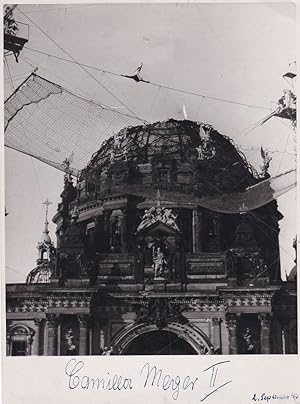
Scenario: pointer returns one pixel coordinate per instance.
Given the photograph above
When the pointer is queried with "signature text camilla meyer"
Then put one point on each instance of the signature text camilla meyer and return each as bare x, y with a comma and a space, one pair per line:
149, 376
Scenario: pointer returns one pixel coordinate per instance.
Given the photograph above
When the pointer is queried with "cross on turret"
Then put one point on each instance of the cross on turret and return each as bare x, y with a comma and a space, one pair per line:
158, 198
47, 203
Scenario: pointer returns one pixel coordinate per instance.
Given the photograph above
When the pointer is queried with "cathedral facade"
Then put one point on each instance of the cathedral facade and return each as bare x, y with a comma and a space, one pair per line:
147, 263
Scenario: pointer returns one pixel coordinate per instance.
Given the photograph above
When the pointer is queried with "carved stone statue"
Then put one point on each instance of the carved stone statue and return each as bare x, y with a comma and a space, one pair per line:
161, 311
107, 351
158, 214
266, 162
231, 263
71, 347
249, 344
119, 151
205, 150
116, 235
288, 100
159, 262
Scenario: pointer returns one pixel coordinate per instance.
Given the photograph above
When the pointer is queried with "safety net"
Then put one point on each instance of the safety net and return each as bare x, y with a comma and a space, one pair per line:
62, 129
50, 123
239, 202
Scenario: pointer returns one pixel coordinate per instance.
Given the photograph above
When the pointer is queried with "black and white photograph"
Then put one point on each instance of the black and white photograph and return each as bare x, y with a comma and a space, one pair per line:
150, 179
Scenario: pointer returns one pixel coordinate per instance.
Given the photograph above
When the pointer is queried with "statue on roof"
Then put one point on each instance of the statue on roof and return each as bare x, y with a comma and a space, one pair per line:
206, 149
266, 162
119, 150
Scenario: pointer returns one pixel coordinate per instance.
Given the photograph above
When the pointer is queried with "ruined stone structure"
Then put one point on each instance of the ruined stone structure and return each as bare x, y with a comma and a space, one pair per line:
140, 267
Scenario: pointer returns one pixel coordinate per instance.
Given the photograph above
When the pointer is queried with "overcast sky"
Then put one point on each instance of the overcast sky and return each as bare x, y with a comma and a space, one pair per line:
230, 51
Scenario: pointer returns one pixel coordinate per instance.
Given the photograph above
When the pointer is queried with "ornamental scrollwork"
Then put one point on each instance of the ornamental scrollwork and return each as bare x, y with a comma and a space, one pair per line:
231, 320
52, 320
158, 214
161, 312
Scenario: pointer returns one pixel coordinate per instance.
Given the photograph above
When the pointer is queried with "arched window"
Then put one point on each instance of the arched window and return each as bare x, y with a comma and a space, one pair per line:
43, 254
19, 340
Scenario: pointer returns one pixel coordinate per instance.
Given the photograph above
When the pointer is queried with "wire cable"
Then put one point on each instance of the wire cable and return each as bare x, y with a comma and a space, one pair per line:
26, 61
14, 270
262, 272
281, 157
81, 66
63, 8
203, 96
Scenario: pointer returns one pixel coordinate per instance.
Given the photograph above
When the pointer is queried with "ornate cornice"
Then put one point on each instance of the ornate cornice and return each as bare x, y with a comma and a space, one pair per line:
69, 302
229, 301
211, 304
41, 304
249, 299
27, 305
205, 305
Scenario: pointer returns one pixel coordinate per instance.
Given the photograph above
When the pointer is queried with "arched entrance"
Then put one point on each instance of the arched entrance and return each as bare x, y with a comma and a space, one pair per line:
174, 339
160, 342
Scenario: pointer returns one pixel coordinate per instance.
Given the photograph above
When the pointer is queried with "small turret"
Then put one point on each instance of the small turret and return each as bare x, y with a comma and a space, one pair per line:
43, 271
45, 244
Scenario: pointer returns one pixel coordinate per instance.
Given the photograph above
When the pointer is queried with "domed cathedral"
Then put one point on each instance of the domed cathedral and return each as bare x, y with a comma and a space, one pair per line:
151, 259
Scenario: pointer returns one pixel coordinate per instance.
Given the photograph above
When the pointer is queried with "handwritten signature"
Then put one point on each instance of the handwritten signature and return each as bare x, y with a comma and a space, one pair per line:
108, 382
208, 382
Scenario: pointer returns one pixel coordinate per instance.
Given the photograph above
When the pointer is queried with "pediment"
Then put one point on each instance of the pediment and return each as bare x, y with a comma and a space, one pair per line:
158, 227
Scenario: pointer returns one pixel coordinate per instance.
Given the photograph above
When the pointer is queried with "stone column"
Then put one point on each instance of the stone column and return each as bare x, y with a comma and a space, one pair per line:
124, 232
232, 322
197, 219
91, 324
29, 343
102, 339
52, 339
36, 337
284, 335
217, 229
83, 321
215, 232
9, 323
265, 332
8, 345
106, 228
217, 341
102, 342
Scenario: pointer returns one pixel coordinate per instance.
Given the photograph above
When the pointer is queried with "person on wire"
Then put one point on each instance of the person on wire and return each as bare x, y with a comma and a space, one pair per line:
137, 75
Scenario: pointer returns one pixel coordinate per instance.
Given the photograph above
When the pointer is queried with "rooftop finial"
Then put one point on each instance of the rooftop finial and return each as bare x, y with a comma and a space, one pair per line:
67, 166
158, 198
47, 203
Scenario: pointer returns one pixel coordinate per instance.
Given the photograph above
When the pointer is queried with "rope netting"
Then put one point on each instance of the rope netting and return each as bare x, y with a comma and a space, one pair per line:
239, 202
48, 122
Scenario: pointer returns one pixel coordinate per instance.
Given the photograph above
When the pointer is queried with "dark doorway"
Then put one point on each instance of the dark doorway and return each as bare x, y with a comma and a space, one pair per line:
249, 334
18, 348
159, 343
